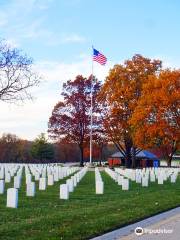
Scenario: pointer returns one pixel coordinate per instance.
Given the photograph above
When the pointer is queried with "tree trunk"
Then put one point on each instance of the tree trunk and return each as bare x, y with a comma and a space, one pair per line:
81, 156
133, 157
128, 146
128, 159
173, 150
101, 154
169, 160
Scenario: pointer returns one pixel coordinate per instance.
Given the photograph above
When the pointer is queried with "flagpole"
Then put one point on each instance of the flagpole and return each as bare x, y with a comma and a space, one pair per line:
91, 110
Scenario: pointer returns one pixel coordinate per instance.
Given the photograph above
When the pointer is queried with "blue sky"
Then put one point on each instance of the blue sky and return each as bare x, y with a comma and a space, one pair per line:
58, 34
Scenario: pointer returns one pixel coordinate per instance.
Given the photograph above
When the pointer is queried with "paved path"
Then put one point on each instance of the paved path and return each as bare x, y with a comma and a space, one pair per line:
164, 226
168, 229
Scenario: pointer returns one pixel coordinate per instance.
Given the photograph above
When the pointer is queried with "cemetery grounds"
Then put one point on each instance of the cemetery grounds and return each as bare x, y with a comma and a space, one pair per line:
85, 214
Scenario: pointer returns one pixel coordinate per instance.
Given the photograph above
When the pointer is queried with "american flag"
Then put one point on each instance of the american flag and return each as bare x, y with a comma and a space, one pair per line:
99, 57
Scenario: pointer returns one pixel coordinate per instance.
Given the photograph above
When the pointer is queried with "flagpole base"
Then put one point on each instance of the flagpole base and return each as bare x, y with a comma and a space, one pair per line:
90, 165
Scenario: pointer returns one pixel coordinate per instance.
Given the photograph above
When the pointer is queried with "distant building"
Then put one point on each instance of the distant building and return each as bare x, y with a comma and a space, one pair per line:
176, 157
143, 159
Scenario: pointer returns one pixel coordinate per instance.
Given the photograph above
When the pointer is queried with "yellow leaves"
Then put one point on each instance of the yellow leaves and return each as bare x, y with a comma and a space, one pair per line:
157, 108
143, 100
122, 90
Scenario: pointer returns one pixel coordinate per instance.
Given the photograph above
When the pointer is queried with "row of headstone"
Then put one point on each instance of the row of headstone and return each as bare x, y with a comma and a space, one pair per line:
174, 163
47, 174
99, 182
55, 172
8, 171
117, 177
96, 164
146, 175
71, 183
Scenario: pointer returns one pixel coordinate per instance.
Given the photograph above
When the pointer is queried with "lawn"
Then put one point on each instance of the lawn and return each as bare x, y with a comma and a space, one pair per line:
85, 214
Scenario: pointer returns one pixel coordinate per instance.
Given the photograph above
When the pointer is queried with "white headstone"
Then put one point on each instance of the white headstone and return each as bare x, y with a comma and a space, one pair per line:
70, 184
37, 176
144, 182
133, 175
138, 178
17, 182
7, 178
125, 184
60, 174
165, 176
160, 179
173, 178
2, 184
74, 180
152, 177
64, 192
50, 180
42, 184
116, 176
56, 176
30, 189
12, 198
120, 178
99, 187
44, 174
2, 173
78, 178
28, 178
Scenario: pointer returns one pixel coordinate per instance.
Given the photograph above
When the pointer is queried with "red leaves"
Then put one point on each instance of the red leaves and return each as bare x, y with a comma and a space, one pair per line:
70, 120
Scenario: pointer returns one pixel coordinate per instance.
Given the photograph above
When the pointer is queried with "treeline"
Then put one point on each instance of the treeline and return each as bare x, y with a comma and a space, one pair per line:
16, 150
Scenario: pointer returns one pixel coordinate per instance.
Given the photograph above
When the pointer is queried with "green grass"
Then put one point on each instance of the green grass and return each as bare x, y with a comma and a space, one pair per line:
85, 214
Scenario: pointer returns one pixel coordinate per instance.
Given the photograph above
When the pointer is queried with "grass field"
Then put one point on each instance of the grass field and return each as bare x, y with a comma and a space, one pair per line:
85, 214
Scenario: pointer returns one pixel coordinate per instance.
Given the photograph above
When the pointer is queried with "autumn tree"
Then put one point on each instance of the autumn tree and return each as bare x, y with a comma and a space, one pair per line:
16, 74
70, 120
66, 152
156, 119
100, 141
41, 149
12, 148
119, 97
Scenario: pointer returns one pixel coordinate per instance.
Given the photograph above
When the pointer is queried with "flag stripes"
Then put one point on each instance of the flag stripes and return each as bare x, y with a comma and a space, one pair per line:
99, 57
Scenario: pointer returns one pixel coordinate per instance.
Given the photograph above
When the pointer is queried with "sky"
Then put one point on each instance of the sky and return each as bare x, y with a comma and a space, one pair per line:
59, 34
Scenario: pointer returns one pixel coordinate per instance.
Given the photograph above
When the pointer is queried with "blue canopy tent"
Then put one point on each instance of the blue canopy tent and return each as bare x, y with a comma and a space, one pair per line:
144, 155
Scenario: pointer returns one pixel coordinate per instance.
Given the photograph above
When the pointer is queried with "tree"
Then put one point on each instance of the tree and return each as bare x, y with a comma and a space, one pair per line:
16, 74
70, 119
156, 119
66, 152
41, 149
119, 97
12, 148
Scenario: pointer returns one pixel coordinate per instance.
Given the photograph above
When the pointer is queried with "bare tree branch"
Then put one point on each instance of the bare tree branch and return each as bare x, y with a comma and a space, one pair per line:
16, 74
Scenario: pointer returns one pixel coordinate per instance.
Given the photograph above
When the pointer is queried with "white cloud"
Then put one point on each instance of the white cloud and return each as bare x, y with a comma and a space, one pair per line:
29, 5
74, 38
35, 30
29, 120
43, 4
12, 42
16, 20
52, 39
168, 62
3, 19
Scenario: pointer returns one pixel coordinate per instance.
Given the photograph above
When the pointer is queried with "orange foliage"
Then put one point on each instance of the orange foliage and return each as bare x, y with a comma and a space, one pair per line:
156, 119
119, 97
